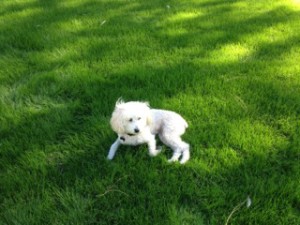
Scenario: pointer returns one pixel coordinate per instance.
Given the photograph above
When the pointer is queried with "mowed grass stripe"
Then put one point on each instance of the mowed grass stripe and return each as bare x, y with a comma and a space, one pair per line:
230, 68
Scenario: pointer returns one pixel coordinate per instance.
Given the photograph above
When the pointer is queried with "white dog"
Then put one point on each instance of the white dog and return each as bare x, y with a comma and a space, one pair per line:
135, 123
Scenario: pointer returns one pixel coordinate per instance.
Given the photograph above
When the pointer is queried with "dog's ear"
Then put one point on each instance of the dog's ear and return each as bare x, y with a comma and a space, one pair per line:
148, 113
116, 121
149, 118
119, 102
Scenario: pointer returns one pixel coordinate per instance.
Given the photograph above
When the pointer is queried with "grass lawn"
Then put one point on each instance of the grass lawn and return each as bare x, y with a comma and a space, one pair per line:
231, 68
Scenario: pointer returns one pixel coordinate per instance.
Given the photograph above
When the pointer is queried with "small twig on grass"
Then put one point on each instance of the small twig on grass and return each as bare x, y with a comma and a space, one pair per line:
248, 203
111, 190
121, 178
103, 22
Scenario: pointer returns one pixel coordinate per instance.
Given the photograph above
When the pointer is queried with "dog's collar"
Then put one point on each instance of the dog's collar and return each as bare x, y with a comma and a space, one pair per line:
122, 138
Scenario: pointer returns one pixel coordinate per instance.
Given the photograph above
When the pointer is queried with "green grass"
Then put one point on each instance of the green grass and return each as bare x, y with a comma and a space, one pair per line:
231, 68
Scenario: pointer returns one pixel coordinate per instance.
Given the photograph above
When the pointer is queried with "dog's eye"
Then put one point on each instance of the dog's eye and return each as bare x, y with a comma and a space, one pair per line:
130, 120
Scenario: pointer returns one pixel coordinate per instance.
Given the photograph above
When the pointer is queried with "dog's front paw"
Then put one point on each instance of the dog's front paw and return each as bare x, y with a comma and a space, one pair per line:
154, 152
109, 156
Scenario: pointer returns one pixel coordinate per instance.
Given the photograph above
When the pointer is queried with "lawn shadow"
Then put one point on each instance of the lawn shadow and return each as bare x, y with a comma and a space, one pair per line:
79, 135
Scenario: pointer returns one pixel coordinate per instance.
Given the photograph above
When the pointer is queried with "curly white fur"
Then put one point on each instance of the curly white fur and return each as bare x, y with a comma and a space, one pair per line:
135, 123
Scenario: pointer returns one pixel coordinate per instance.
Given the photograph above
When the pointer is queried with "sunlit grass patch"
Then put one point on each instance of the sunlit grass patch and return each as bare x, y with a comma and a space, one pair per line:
296, 3
230, 68
182, 16
231, 53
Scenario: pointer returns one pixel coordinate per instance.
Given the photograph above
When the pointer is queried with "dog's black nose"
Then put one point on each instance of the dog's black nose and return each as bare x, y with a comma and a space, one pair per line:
136, 130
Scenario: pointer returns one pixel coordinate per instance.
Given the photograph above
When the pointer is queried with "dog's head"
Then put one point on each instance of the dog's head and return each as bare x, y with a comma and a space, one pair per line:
130, 117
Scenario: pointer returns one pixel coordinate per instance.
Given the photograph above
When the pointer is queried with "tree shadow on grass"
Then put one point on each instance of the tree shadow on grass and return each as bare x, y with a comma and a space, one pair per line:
74, 151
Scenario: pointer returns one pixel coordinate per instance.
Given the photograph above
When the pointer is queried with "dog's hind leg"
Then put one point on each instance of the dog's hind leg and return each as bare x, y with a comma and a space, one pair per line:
185, 155
175, 157
178, 146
